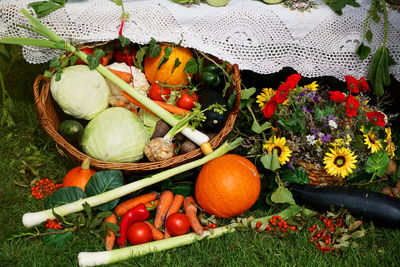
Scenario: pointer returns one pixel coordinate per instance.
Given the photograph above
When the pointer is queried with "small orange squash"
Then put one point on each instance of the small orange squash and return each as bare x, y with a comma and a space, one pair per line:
79, 176
227, 186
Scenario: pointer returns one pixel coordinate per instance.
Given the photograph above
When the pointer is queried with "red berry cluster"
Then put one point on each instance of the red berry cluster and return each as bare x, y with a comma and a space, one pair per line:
324, 236
54, 224
277, 224
43, 188
210, 226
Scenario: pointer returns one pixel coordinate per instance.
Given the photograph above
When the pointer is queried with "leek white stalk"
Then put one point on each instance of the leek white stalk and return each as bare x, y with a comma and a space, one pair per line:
35, 218
57, 42
116, 255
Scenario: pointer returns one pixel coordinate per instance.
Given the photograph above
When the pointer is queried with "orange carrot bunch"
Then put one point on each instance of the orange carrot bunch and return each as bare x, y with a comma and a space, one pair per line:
43, 188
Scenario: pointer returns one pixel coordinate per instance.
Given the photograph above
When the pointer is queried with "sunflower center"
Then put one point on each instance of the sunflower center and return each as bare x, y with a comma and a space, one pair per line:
339, 161
277, 149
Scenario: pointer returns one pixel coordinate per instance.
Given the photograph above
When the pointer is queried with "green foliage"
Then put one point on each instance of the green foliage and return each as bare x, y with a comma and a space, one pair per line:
338, 5
103, 181
270, 161
43, 8
377, 163
63, 196
282, 196
191, 66
295, 176
154, 48
124, 41
58, 239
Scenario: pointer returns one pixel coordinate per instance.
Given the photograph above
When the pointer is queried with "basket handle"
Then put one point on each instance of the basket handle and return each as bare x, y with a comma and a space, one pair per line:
40, 96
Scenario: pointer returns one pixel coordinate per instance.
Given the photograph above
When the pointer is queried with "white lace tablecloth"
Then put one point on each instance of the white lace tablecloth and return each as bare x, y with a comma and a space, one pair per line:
258, 37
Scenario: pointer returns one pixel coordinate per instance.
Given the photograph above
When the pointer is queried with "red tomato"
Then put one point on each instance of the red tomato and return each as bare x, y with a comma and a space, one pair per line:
156, 92
139, 233
87, 50
121, 56
187, 99
177, 224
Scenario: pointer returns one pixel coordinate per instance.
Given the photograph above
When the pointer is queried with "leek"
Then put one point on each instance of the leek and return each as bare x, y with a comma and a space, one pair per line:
35, 218
116, 255
54, 41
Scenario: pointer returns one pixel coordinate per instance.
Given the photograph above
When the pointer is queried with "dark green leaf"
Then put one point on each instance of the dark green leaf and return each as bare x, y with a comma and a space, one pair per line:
191, 66
99, 53
73, 60
163, 60
140, 54
257, 128
103, 181
154, 48
270, 161
124, 41
112, 226
104, 214
368, 35
295, 176
87, 208
167, 51
54, 62
93, 62
177, 63
43, 8
63, 196
57, 239
4, 51
378, 163
338, 5
363, 51
231, 100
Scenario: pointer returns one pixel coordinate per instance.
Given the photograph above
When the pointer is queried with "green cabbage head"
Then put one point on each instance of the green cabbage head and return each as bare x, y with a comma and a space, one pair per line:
115, 135
81, 92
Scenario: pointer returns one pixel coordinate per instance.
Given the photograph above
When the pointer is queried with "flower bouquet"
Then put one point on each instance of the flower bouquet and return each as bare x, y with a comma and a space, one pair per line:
332, 134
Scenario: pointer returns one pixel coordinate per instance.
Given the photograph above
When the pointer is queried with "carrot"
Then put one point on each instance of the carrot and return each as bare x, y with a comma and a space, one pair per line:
124, 207
171, 108
120, 103
166, 234
176, 205
164, 203
135, 102
189, 206
110, 236
157, 234
151, 204
166, 106
126, 76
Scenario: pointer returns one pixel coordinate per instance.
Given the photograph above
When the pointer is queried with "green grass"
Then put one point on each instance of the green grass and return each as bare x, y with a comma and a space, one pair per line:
26, 152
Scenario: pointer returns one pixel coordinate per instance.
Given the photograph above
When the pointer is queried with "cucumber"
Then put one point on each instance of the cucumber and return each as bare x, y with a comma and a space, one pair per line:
369, 205
72, 131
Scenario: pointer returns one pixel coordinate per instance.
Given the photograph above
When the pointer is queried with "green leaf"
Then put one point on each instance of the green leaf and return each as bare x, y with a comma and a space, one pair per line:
112, 226
99, 53
363, 51
338, 5
140, 54
124, 41
118, 2
73, 60
295, 176
177, 63
368, 35
57, 239
377, 163
93, 61
257, 128
43, 8
191, 66
163, 60
103, 181
167, 51
247, 93
63, 196
5, 52
282, 195
154, 48
270, 161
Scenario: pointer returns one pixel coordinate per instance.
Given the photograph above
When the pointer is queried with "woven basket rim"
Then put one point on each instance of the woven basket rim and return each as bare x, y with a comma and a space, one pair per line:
42, 96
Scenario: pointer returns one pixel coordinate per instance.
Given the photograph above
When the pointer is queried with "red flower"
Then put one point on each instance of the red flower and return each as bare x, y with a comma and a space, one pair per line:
363, 85
351, 106
352, 84
337, 96
292, 80
282, 93
269, 107
377, 118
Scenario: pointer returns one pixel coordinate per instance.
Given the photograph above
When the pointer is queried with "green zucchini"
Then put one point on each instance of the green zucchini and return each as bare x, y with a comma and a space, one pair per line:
72, 131
369, 205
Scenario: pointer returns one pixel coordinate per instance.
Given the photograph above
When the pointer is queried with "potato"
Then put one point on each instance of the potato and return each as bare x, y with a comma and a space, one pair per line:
386, 190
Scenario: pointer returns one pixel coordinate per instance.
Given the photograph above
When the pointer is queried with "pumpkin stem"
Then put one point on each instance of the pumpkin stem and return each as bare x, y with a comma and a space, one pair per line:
86, 164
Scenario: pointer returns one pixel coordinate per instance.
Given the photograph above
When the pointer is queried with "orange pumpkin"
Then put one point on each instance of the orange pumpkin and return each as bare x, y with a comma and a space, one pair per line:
79, 176
227, 186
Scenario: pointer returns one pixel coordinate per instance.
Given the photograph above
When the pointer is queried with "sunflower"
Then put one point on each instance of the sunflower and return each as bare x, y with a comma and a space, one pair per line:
311, 87
263, 97
371, 142
279, 145
340, 162
390, 147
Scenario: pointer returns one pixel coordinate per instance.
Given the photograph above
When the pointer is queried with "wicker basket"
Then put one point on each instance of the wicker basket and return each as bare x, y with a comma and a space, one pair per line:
49, 117
318, 175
